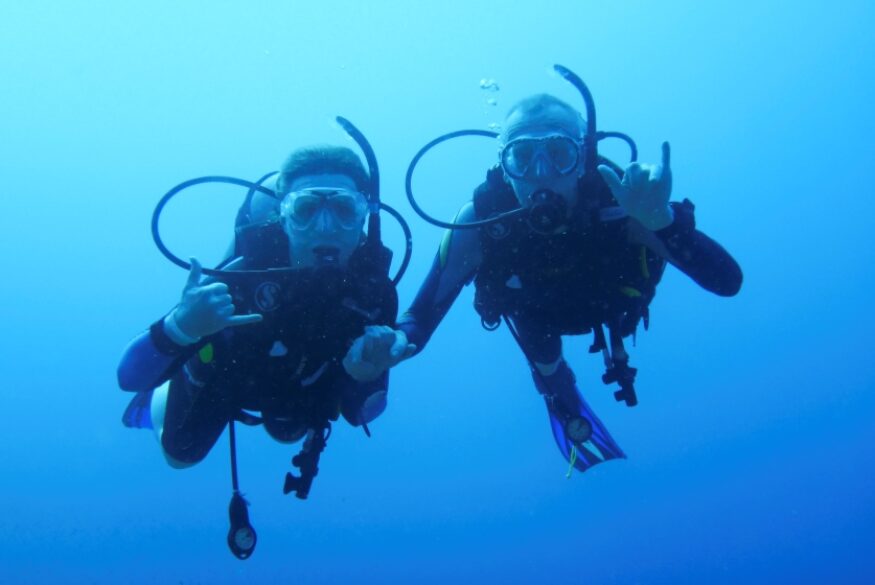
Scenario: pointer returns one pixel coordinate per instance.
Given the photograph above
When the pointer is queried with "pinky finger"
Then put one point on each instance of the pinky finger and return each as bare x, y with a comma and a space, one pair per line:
237, 320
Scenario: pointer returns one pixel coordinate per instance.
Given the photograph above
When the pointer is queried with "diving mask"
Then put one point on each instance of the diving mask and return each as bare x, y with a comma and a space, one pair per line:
344, 207
561, 152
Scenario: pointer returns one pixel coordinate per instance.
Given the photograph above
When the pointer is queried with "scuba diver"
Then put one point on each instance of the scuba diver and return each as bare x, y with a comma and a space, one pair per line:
297, 326
560, 241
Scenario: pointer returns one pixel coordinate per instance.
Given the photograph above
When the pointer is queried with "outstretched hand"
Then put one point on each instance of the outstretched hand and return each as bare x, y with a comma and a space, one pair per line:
377, 350
644, 191
207, 309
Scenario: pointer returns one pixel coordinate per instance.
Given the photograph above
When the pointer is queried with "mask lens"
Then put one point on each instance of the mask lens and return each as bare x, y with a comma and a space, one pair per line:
347, 209
562, 152
518, 157
304, 209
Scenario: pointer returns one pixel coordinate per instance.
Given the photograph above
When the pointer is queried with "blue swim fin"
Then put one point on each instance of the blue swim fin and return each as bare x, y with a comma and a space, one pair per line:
138, 413
573, 423
593, 448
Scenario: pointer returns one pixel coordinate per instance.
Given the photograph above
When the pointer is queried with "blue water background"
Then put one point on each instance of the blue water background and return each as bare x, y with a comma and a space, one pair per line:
751, 454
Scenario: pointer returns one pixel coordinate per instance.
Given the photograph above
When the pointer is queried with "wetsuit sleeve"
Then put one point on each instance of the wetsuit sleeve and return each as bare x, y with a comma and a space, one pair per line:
697, 255
454, 266
420, 321
151, 359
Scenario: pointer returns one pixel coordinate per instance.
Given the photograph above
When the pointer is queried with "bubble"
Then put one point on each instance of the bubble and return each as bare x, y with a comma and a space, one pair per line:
492, 101
489, 84
494, 126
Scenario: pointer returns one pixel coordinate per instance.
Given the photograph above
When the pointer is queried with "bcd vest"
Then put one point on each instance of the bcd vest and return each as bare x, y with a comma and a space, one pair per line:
311, 318
570, 282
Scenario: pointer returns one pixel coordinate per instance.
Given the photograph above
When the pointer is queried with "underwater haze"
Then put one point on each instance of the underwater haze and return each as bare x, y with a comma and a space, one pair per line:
750, 455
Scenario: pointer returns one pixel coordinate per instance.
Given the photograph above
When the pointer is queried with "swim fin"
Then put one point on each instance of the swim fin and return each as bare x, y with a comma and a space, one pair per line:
573, 423
137, 415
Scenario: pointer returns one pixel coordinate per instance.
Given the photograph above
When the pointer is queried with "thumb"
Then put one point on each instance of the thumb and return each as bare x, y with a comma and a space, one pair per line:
399, 345
354, 355
194, 275
611, 178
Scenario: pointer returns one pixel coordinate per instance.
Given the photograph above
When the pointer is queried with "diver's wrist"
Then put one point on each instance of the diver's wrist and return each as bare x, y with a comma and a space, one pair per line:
175, 333
659, 220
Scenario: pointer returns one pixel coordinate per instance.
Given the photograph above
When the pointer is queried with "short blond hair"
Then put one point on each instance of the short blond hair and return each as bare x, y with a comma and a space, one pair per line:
540, 105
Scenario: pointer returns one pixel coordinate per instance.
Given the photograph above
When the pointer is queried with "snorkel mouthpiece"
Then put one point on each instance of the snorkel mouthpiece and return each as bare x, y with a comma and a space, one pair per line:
326, 256
547, 211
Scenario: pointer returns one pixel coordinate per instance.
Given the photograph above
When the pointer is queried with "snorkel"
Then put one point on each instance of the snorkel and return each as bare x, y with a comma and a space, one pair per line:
547, 209
377, 253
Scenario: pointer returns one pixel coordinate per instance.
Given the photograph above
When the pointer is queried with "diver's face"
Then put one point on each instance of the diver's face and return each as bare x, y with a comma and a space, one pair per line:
542, 152
323, 216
